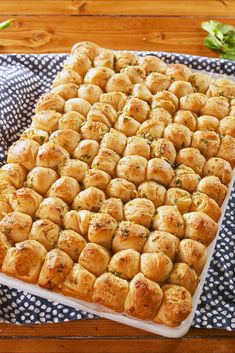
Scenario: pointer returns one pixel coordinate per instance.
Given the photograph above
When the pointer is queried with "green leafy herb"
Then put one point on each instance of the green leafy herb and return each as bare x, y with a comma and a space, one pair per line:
6, 24
221, 38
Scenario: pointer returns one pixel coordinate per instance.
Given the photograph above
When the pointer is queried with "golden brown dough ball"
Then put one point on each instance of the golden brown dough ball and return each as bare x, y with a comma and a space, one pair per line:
40, 179
25, 200
116, 99
175, 307
207, 122
152, 191
179, 134
111, 291
168, 96
193, 102
51, 155
102, 229
114, 140
161, 115
106, 160
89, 199
216, 106
135, 73
124, 59
94, 258
93, 130
140, 210
125, 264
180, 198
199, 226
164, 149
78, 62
98, 76
50, 101
162, 242
156, 82
119, 83
185, 178
192, 158
73, 168
183, 275
137, 109
52, 208
4, 209
4, 247
129, 236
23, 152
220, 168
79, 283
97, 178
66, 90
103, 113
56, 267
24, 261
207, 142
65, 188
66, 138
144, 298
78, 221
227, 126
227, 149
105, 59
46, 120
160, 171
40, 136
67, 76
113, 207
221, 87
86, 150
137, 146
167, 105
212, 186
181, 88
79, 105
168, 219
187, 118
156, 266
203, 203
15, 173
16, 226
141, 91
152, 63
178, 72
71, 120
122, 189
45, 232
200, 81
127, 125
132, 168
91, 93
72, 243
192, 253
87, 48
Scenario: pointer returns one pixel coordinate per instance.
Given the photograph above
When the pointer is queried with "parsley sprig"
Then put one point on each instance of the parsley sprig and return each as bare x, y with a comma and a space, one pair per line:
5, 24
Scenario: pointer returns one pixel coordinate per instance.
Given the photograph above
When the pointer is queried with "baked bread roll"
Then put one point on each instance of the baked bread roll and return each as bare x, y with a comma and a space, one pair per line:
207, 122
79, 283
156, 266
175, 307
183, 275
73, 168
192, 158
144, 298
221, 87
106, 160
79, 105
164, 149
113, 207
121, 189
16, 226
207, 142
140, 210
97, 178
51, 155
199, 226
65, 188
212, 186
227, 149
55, 268
227, 126
78, 62
168, 96
193, 102
135, 73
160, 171
103, 113
181, 88
90, 92
119, 83
66, 90
167, 105
178, 134
15, 173
116, 99
105, 58
141, 91
71, 242
94, 258
78, 221
193, 253
203, 203
23, 152
127, 125
67, 76
151, 63
86, 151
168, 219
52, 208
185, 178
89, 199
87, 48
66, 138
200, 81
4, 209
220, 168
178, 72
137, 146
24, 261
4, 247
216, 106
93, 130
111, 291
156, 82
137, 109
125, 264
124, 59
98, 76
25, 200
102, 229
114, 140
71, 120
40, 136
162, 242
151, 129
45, 232
132, 168
50, 101
180, 198
152, 191
129, 236
40, 179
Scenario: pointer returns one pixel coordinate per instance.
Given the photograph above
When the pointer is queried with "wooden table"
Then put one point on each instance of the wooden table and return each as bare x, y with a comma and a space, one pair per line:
48, 26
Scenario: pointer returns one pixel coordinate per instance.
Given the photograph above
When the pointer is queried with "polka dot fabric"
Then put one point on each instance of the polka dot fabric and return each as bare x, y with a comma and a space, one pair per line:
23, 78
